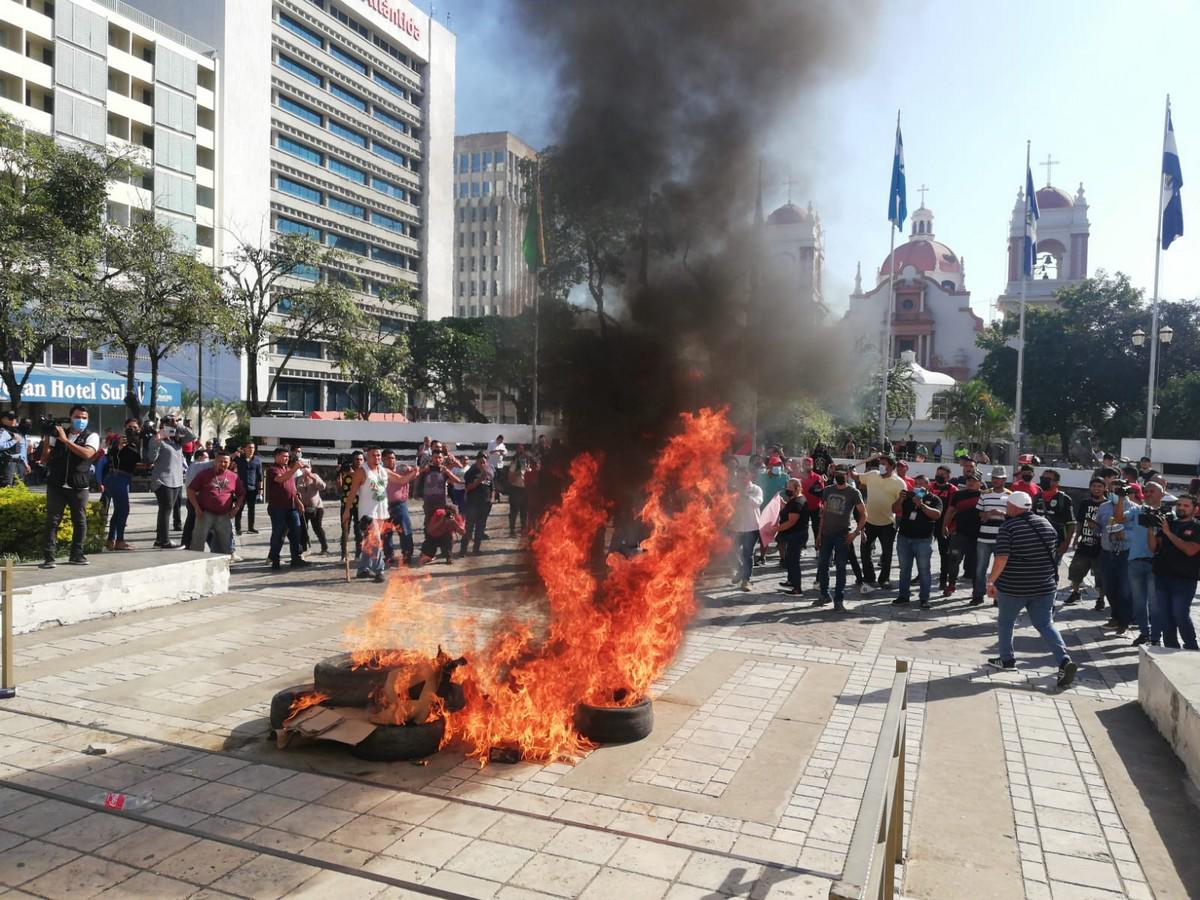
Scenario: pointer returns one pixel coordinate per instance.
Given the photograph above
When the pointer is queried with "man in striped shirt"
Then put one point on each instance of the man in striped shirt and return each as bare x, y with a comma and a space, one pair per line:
1024, 576
992, 504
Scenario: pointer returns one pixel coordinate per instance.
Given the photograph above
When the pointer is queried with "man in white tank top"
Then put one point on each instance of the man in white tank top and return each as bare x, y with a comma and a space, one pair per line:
369, 485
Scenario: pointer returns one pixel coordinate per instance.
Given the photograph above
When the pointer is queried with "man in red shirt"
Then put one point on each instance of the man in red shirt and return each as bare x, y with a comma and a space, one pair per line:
902, 471
812, 485
948, 564
217, 494
1024, 482
283, 506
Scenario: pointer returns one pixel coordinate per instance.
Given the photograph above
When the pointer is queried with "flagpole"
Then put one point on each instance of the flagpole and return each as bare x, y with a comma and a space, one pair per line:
886, 342
1026, 263
536, 306
752, 317
1152, 381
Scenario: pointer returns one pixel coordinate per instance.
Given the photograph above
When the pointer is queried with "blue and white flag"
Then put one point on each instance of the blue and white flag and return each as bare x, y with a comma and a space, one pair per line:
1172, 181
898, 198
1031, 219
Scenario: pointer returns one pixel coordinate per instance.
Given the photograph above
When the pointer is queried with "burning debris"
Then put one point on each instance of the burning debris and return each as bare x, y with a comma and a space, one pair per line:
585, 680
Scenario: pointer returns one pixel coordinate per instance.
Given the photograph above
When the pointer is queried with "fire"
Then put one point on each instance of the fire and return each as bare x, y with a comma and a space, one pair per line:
608, 639
304, 701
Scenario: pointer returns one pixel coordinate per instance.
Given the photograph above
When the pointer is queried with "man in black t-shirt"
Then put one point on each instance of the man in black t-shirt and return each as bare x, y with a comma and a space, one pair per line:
792, 532
961, 525
917, 515
1055, 506
1087, 544
1176, 548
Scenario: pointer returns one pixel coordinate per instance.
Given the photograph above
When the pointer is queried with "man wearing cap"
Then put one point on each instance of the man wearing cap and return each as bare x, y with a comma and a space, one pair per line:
992, 506
902, 471
478, 482
1114, 554
1024, 577
11, 444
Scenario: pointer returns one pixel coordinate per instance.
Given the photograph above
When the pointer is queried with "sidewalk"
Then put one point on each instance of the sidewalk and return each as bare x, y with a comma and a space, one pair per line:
749, 785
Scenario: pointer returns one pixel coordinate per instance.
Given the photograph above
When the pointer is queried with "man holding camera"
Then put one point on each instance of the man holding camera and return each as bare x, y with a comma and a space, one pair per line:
67, 456
1146, 518
1176, 546
1111, 518
164, 453
123, 459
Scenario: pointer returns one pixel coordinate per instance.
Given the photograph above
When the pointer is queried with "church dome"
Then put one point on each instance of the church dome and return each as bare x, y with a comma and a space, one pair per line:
1053, 198
924, 255
789, 214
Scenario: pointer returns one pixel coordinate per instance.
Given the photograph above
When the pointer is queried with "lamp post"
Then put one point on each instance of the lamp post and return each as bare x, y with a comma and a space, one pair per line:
1165, 335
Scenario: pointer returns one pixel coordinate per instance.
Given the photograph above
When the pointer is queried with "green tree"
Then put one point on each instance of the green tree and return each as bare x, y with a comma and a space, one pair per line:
901, 401
52, 201
972, 413
447, 360
801, 423
379, 362
281, 293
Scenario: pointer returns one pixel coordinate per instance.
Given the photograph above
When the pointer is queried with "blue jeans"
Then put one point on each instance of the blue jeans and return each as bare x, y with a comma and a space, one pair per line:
921, 550
983, 564
116, 485
398, 513
284, 521
1174, 596
1115, 569
1141, 589
835, 546
1041, 616
744, 542
371, 557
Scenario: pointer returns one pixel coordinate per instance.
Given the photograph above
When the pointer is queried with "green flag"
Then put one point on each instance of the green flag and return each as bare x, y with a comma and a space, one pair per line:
534, 244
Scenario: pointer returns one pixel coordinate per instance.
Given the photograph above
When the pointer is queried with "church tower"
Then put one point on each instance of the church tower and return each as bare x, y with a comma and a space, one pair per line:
1062, 248
796, 253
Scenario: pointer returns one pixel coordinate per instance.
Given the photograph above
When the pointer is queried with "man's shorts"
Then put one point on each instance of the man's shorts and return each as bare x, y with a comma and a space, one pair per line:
1081, 565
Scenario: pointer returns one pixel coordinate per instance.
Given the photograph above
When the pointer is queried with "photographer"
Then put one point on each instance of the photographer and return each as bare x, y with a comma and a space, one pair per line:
1176, 546
164, 453
123, 459
67, 456
1114, 554
1141, 564
11, 444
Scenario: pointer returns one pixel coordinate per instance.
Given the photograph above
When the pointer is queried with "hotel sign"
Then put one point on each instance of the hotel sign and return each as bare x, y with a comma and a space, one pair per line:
391, 11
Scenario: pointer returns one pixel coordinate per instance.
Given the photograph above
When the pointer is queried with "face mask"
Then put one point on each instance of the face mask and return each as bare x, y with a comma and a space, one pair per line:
79, 424
1027, 476
1046, 484
790, 493
918, 492
940, 479
840, 479
776, 470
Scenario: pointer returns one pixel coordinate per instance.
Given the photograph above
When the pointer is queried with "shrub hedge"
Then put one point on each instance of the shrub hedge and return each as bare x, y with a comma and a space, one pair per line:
23, 515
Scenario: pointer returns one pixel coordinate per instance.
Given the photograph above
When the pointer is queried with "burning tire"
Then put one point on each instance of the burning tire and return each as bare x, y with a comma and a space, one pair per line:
345, 685
395, 743
281, 703
615, 724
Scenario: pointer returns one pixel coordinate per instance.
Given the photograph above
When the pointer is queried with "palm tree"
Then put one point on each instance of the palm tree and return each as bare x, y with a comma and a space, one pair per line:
972, 412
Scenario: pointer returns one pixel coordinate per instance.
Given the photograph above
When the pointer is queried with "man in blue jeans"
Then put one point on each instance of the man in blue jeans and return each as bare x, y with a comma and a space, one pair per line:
1176, 546
917, 515
1111, 519
1141, 565
1024, 576
842, 510
283, 506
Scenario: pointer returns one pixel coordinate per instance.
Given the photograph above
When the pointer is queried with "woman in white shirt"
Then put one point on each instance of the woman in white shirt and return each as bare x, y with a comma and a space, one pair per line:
748, 497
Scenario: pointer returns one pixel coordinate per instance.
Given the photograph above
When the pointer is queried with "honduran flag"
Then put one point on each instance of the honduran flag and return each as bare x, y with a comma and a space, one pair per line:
1031, 219
1172, 181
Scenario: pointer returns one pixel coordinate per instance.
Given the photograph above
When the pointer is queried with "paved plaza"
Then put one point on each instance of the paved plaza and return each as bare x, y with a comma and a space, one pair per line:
750, 784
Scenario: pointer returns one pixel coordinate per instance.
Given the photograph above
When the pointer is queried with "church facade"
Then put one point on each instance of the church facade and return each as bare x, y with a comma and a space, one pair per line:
1062, 249
931, 312
795, 258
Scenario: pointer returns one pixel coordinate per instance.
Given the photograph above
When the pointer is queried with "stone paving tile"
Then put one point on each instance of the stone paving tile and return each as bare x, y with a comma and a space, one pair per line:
30, 860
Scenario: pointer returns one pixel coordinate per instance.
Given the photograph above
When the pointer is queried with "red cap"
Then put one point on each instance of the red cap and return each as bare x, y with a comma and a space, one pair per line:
808, 459
774, 461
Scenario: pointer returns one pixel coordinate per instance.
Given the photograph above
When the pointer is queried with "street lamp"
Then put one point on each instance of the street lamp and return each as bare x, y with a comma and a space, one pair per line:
1166, 334
1138, 338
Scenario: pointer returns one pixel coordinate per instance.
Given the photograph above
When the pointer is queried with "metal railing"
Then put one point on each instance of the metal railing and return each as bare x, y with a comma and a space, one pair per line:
877, 845
8, 686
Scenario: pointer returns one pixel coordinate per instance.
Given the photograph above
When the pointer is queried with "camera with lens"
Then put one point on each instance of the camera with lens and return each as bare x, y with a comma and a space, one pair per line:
132, 436
1151, 518
49, 424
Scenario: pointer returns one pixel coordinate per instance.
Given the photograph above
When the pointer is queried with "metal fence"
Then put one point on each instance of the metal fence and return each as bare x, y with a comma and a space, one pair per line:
877, 846
8, 686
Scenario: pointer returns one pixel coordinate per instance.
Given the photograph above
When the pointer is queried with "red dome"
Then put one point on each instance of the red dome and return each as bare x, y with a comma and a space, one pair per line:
924, 256
788, 214
1053, 198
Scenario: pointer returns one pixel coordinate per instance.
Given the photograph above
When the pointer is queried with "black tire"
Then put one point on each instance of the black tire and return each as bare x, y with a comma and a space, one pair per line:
615, 724
347, 686
281, 703
395, 743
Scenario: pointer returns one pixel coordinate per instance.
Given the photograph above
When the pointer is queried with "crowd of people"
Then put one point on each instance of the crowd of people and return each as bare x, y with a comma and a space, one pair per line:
1006, 536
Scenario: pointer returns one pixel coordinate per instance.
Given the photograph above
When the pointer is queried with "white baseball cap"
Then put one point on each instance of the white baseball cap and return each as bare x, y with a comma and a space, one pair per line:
1020, 500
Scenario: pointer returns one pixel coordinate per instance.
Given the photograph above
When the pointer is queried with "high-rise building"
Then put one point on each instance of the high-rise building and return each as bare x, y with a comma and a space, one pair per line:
338, 124
99, 73
490, 274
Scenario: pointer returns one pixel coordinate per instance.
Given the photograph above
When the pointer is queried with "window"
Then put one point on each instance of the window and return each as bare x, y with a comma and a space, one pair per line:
388, 85
389, 49
461, 261
390, 256
472, 291
462, 291
350, 209
495, 263
301, 31
487, 188
287, 145
472, 241
353, 24
474, 212
349, 244
462, 190
342, 131
462, 162
391, 121
305, 273
304, 349
462, 239
388, 222
389, 188
389, 154
290, 65
353, 99
296, 189
69, 354
495, 289
301, 396
487, 160
297, 109
474, 188
291, 226
347, 171
472, 264
482, 263
342, 56
474, 162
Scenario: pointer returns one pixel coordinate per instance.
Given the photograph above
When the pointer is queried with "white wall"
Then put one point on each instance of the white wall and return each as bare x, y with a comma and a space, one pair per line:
1185, 453
354, 433
439, 186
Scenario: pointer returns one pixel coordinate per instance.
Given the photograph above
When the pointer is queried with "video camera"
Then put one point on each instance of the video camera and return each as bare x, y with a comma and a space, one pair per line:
1151, 518
48, 425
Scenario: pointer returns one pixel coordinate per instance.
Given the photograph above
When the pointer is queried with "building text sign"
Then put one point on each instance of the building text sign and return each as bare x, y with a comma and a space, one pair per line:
390, 10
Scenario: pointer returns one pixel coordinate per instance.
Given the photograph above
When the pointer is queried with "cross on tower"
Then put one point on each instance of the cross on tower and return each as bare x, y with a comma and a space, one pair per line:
921, 190
1049, 164
790, 181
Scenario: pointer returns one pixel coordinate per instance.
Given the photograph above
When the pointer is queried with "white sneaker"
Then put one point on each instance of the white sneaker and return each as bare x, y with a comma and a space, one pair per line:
235, 558
865, 589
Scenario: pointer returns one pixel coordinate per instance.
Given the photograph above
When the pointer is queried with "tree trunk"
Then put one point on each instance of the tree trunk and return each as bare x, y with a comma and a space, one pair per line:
154, 359
13, 386
252, 384
133, 405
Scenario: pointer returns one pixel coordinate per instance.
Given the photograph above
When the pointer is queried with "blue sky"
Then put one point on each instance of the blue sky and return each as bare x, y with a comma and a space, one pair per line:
1085, 82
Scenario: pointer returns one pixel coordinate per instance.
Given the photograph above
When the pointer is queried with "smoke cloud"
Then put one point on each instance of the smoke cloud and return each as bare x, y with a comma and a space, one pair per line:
665, 108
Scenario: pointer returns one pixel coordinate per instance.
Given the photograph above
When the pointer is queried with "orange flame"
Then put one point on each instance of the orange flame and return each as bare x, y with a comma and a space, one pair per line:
303, 702
607, 641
